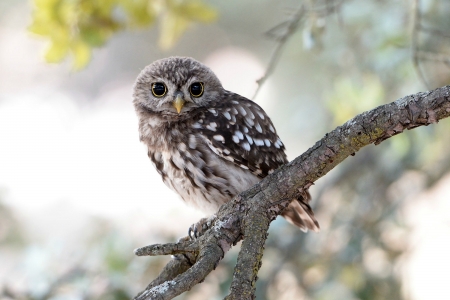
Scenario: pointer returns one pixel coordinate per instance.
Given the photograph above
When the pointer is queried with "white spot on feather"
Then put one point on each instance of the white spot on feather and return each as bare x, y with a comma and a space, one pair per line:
241, 110
219, 138
278, 143
154, 122
235, 139
249, 139
260, 114
267, 142
227, 115
177, 160
229, 158
249, 122
239, 134
258, 127
257, 172
258, 142
212, 126
246, 146
192, 141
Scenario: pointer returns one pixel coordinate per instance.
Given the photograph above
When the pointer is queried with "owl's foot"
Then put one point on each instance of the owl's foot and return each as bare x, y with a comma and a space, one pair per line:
198, 229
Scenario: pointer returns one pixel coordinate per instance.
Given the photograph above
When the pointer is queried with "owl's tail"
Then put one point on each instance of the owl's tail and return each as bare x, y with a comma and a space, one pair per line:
300, 214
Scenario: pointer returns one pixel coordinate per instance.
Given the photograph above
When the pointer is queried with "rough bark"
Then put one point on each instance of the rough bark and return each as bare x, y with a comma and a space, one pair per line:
249, 215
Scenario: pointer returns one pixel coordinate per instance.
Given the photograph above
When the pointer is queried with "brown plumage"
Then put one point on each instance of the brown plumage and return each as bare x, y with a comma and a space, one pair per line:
207, 143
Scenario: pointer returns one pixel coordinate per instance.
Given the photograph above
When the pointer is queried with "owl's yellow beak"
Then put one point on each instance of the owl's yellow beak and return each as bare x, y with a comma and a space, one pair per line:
178, 103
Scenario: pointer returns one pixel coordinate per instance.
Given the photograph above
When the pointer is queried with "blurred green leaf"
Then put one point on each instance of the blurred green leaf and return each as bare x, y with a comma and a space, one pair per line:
396, 40
351, 97
401, 145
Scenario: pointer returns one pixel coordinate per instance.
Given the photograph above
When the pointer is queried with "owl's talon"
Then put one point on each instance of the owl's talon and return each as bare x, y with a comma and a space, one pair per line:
196, 230
190, 231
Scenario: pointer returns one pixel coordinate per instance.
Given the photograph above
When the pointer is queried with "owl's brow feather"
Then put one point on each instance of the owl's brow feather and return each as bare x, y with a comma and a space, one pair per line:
178, 72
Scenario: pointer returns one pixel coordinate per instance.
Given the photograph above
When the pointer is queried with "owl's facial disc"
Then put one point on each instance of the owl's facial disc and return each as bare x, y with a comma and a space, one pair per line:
178, 103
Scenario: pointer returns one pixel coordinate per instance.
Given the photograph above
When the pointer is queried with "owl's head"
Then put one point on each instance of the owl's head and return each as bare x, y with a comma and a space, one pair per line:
172, 87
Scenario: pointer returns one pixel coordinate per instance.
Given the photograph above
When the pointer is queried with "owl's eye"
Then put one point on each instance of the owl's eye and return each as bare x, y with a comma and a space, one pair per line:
159, 89
196, 89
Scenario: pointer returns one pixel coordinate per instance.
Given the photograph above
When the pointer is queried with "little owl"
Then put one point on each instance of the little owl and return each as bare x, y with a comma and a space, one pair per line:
207, 143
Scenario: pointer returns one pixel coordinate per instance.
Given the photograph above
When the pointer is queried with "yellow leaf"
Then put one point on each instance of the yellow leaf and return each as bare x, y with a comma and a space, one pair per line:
45, 3
140, 12
56, 52
82, 54
39, 28
172, 27
198, 11
179, 16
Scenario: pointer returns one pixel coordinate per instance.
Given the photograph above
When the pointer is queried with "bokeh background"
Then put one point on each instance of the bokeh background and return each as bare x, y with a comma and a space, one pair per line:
78, 193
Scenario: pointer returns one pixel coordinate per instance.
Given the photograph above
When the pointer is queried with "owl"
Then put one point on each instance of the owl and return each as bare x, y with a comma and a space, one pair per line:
207, 143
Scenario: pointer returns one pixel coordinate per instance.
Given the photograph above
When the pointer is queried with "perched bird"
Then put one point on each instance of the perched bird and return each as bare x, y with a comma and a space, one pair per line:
207, 143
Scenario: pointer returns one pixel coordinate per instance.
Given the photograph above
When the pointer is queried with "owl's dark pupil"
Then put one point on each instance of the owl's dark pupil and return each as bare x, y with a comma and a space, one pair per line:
196, 89
159, 89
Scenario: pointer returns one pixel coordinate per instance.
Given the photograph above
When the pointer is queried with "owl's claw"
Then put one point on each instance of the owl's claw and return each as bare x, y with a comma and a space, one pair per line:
191, 231
196, 230
197, 233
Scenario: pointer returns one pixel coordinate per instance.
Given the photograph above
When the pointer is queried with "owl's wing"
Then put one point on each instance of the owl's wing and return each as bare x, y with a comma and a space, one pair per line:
238, 130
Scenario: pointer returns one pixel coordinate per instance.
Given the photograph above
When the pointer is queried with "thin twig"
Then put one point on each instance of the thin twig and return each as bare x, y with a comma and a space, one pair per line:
435, 31
327, 8
433, 56
291, 28
415, 42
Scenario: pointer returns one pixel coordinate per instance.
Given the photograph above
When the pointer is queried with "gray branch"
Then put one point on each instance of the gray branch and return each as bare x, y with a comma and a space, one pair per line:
249, 215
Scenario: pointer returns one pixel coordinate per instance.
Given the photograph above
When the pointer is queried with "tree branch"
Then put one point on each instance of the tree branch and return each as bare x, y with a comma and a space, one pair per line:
249, 215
